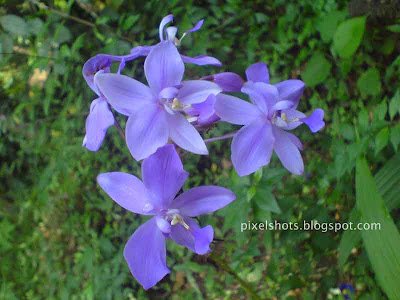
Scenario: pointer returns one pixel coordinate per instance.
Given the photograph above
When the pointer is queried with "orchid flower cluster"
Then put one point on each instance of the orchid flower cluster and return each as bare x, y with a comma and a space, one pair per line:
170, 112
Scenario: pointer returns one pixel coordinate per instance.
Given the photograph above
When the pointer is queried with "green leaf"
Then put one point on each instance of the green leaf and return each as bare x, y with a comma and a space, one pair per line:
6, 43
394, 105
266, 201
395, 136
317, 70
128, 23
388, 46
369, 83
394, 28
381, 139
349, 240
388, 183
14, 24
78, 44
62, 34
363, 118
380, 111
35, 26
348, 36
328, 24
382, 245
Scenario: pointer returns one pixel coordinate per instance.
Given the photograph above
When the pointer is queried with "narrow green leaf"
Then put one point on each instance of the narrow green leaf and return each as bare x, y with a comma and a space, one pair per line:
388, 183
382, 245
348, 36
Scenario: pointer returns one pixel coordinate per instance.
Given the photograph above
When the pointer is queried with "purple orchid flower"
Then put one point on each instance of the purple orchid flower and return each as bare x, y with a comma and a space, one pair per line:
158, 110
163, 176
104, 61
204, 113
100, 117
98, 121
266, 120
170, 34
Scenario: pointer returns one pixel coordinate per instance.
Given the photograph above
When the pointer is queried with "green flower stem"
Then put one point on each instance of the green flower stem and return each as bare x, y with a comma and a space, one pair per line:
229, 270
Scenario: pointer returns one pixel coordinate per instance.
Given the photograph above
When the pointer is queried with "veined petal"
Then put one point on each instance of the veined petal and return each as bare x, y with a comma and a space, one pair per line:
264, 95
291, 90
236, 111
163, 67
98, 121
185, 135
124, 92
196, 91
258, 72
163, 175
127, 190
164, 21
287, 151
145, 254
228, 81
315, 121
201, 60
252, 147
196, 239
202, 200
146, 131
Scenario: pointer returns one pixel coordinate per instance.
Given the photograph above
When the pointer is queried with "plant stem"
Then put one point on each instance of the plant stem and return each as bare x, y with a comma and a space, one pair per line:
228, 269
219, 138
120, 130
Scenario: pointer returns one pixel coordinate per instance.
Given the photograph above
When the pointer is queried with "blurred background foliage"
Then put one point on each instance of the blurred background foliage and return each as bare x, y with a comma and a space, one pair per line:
61, 237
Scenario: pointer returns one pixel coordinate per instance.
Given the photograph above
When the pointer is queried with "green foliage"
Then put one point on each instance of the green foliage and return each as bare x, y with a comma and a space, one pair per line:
14, 25
369, 83
348, 36
382, 245
316, 65
61, 237
388, 185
